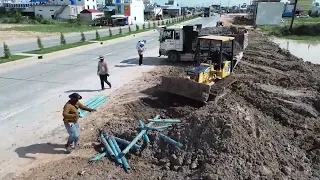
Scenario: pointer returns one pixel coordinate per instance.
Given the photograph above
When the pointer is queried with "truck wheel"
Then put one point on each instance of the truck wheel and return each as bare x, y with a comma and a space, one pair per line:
174, 56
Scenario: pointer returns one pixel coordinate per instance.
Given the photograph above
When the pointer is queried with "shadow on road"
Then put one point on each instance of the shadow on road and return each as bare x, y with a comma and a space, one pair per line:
82, 90
46, 148
148, 61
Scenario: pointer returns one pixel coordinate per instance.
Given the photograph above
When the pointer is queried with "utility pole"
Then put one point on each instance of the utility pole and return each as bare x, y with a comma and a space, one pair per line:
293, 14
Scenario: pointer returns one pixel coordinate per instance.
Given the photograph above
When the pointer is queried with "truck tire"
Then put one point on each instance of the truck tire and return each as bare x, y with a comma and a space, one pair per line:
174, 56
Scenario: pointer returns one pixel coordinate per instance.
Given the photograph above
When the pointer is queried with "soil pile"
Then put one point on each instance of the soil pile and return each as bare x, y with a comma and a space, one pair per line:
260, 127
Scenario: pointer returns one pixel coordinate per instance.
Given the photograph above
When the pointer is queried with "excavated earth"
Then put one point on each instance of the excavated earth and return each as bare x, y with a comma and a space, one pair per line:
262, 127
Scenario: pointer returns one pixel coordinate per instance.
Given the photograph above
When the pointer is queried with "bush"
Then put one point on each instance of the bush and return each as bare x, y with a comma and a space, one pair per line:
137, 27
120, 30
62, 39
97, 35
47, 21
130, 29
38, 18
143, 26
158, 23
83, 37
154, 24
163, 22
39, 42
6, 51
149, 25
110, 32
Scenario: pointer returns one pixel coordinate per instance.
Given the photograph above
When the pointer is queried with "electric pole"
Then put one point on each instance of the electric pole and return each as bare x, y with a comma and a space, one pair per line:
293, 14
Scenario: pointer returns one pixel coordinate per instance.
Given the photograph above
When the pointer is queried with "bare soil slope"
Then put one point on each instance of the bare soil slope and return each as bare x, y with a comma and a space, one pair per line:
261, 127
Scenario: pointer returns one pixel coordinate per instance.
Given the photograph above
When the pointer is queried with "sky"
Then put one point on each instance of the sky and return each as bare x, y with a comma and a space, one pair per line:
205, 2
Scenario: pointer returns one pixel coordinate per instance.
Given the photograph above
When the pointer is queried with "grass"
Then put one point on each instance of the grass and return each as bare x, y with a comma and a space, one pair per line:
54, 28
276, 31
12, 58
58, 48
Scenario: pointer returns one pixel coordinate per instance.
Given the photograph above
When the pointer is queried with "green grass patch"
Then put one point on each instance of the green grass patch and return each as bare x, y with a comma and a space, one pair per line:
62, 28
12, 58
299, 32
58, 48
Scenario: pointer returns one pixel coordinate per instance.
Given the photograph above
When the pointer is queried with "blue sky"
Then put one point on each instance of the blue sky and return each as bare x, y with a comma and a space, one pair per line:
205, 2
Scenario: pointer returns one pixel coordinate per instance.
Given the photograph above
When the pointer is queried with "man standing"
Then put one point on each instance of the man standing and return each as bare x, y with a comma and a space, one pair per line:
70, 119
103, 72
141, 49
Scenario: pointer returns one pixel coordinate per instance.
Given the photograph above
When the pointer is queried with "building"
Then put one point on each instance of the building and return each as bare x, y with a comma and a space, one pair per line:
57, 11
89, 15
172, 8
131, 10
268, 13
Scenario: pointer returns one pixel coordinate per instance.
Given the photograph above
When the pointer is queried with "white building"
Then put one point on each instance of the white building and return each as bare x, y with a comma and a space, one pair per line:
132, 10
90, 14
57, 11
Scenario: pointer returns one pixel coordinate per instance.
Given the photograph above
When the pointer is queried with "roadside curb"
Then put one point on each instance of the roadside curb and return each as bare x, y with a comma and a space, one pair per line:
60, 54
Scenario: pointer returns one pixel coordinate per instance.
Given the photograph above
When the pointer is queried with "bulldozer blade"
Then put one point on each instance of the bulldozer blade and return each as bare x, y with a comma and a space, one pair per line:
186, 87
221, 85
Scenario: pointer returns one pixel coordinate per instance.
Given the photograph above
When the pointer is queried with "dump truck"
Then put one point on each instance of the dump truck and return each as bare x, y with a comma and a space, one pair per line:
206, 12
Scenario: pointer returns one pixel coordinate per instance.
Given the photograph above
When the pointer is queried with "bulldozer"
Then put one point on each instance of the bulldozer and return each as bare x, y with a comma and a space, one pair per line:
214, 63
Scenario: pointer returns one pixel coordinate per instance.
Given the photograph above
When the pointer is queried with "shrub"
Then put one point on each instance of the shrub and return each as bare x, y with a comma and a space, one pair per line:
149, 25
62, 39
158, 23
110, 32
120, 30
154, 24
143, 26
39, 42
163, 22
97, 35
137, 27
130, 29
83, 37
6, 51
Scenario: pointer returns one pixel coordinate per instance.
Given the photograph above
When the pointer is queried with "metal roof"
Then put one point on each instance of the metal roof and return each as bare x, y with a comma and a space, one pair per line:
217, 38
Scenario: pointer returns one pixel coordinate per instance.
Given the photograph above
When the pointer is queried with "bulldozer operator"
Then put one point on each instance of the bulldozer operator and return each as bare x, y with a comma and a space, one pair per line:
215, 55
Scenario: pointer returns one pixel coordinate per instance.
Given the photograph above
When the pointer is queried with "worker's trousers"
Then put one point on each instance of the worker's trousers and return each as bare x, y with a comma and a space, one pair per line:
104, 79
73, 131
140, 59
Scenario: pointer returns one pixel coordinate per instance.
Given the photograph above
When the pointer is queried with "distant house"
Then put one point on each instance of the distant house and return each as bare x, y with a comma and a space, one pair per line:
90, 14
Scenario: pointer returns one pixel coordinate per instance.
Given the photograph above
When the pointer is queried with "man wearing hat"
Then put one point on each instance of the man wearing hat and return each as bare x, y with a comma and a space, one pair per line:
70, 119
140, 47
103, 72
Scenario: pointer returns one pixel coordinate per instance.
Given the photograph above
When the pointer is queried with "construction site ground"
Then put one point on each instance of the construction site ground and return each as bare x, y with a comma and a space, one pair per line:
261, 127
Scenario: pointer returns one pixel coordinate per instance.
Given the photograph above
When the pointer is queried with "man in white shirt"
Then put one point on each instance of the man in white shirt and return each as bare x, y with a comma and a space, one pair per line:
103, 72
141, 49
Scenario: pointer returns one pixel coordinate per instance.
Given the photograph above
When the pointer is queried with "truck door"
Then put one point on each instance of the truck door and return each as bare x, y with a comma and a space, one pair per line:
178, 43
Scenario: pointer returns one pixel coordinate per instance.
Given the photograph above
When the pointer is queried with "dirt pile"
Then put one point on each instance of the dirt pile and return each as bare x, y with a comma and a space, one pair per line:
261, 127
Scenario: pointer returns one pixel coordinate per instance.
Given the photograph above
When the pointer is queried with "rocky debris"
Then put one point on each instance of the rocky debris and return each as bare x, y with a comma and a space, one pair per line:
254, 131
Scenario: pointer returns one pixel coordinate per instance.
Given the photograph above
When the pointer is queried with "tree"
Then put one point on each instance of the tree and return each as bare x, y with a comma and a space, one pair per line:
83, 37
143, 26
110, 32
62, 39
162, 22
130, 29
149, 25
158, 22
97, 35
120, 30
6, 51
39, 42
137, 27
154, 24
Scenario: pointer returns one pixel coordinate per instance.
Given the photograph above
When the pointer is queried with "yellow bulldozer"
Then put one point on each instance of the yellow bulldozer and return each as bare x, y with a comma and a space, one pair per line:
212, 73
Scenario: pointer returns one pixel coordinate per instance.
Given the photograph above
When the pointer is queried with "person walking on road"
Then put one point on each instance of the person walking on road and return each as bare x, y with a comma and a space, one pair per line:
70, 119
103, 72
141, 49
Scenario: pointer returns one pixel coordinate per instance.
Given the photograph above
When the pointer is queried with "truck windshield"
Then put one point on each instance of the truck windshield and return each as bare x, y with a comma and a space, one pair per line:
167, 34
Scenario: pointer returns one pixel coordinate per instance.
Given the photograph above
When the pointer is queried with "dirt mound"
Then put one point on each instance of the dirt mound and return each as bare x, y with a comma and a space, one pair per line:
263, 126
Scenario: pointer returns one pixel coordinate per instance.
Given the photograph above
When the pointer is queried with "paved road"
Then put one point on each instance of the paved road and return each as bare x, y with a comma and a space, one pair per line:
70, 38
32, 96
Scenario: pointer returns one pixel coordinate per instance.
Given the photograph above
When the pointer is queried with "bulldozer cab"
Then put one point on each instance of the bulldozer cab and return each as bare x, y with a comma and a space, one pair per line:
215, 50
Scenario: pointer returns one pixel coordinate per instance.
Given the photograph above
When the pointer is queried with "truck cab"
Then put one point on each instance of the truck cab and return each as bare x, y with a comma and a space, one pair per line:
176, 41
